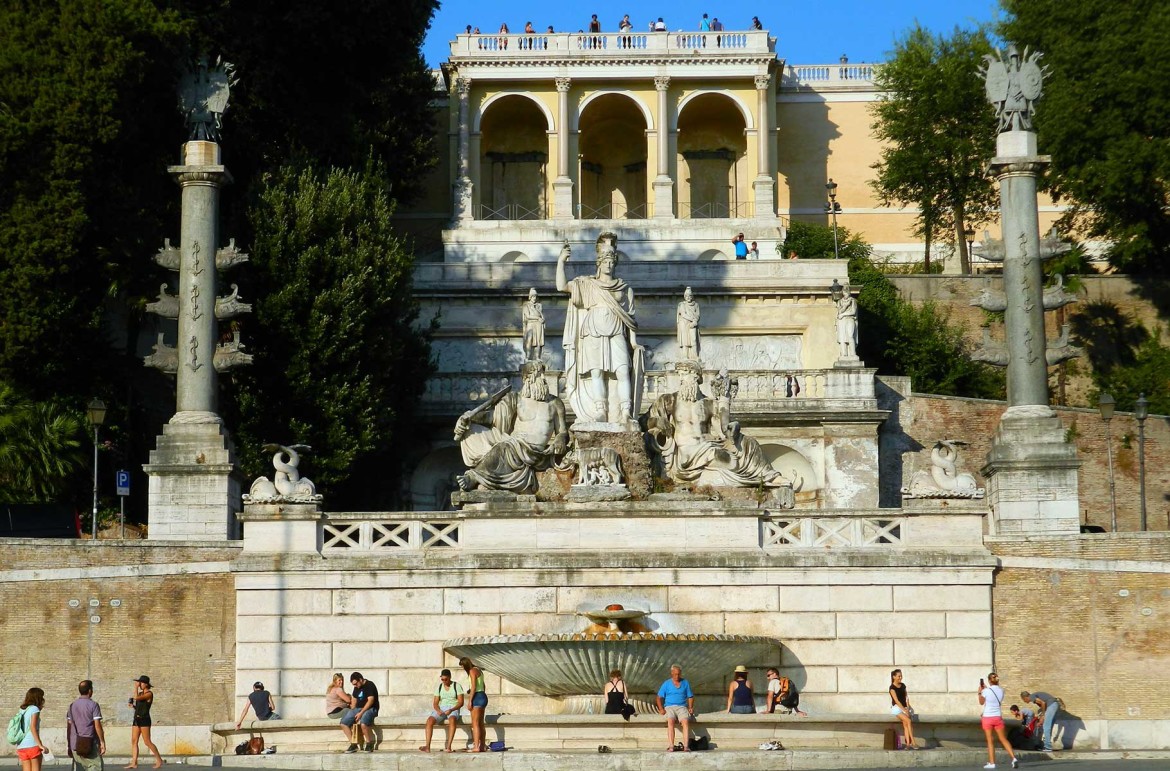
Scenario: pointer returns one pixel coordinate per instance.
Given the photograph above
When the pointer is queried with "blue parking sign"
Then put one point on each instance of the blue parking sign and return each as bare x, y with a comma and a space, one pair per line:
123, 482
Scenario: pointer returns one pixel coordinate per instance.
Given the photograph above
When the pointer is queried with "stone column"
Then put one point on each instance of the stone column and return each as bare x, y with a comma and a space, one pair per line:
200, 178
663, 184
192, 493
1032, 469
563, 184
462, 189
763, 188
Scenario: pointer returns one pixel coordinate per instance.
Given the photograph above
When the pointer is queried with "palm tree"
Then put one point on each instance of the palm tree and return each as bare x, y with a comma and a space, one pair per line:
41, 449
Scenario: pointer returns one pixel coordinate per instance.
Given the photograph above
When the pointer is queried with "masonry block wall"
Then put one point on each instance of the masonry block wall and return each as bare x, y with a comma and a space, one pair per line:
164, 611
1087, 619
921, 420
842, 629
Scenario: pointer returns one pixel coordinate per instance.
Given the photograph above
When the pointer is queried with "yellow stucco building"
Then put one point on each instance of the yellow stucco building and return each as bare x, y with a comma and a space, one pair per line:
681, 139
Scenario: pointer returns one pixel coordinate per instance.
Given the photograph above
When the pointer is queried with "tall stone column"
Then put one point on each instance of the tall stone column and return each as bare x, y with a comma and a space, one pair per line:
1032, 468
764, 186
563, 184
193, 493
663, 184
462, 189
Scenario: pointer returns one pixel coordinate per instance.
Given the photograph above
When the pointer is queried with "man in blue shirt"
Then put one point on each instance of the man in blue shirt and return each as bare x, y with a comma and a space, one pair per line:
676, 700
741, 250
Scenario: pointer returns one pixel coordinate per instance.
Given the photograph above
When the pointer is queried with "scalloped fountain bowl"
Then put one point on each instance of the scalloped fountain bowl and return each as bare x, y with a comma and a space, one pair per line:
567, 665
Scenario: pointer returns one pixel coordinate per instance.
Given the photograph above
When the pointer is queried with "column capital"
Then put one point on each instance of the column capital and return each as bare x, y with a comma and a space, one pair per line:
662, 82
563, 85
463, 85
762, 81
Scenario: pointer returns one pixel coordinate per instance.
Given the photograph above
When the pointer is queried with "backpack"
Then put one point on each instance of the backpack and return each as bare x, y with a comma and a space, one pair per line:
16, 730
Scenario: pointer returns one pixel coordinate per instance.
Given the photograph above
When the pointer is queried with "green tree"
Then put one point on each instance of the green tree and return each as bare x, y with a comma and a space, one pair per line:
895, 336
340, 359
1103, 119
41, 450
87, 126
936, 127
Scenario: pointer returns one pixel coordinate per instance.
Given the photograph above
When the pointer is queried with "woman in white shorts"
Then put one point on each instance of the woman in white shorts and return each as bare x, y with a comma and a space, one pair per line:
900, 708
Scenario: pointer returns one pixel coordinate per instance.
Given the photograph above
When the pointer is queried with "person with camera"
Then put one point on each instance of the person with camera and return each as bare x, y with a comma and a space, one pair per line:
141, 702
991, 697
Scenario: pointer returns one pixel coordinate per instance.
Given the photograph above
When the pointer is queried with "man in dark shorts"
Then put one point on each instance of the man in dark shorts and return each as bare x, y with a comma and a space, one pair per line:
363, 712
84, 727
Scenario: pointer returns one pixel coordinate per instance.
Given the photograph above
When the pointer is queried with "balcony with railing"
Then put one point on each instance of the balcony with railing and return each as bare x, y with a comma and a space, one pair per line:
818, 76
562, 45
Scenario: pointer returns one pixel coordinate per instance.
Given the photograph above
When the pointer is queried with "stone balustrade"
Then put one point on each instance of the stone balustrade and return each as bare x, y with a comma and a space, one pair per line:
828, 75
610, 44
796, 389
664, 521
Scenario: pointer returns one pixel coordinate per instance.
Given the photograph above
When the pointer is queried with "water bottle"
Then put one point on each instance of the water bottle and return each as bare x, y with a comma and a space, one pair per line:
589, 708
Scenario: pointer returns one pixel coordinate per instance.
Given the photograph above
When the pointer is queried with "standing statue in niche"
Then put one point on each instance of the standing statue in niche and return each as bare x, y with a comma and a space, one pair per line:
600, 340
522, 433
532, 317
687, 326
846, 321
699, 442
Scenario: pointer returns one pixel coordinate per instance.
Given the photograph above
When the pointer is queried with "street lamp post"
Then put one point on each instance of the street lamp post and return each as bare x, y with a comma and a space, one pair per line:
832, 207
969, 237
1141, 411
1106, 405
96, 412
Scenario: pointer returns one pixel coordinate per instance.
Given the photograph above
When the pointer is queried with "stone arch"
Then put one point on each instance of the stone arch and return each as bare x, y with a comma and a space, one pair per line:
713, 254
514, 256
749, 120
433, 479
548, 116
513, 158
649, 116
713, 175
612, 157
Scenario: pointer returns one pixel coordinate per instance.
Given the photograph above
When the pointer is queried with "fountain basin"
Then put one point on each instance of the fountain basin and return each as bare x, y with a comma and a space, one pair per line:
579, 664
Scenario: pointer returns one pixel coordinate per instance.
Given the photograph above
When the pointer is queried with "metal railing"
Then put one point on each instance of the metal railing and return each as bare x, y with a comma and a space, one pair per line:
614, 211
715, 210
511, 211
611, 43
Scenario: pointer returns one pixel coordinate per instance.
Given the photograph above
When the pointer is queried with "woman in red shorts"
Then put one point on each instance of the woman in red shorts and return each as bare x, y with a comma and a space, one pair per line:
991, 697
31, 749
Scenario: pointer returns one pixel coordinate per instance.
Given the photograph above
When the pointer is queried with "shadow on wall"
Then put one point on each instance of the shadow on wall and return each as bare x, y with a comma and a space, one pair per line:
893, 441
803, 149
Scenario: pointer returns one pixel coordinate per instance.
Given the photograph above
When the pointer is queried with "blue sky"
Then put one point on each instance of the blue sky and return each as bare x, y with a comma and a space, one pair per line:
809, 31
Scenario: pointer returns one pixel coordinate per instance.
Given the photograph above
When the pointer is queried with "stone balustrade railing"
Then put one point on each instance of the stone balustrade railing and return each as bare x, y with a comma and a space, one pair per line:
822, 75
618, 44
460, 390
820, 532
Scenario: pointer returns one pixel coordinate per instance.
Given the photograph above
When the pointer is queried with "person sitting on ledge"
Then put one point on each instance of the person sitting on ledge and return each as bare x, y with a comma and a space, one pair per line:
676, 701
444, 709
261, 702
739, 694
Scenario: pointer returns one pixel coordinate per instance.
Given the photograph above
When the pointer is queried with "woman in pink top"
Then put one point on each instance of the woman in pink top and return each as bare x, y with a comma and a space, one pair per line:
336, 699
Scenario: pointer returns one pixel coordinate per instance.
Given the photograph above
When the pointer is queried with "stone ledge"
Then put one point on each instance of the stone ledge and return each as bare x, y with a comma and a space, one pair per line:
643, 731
